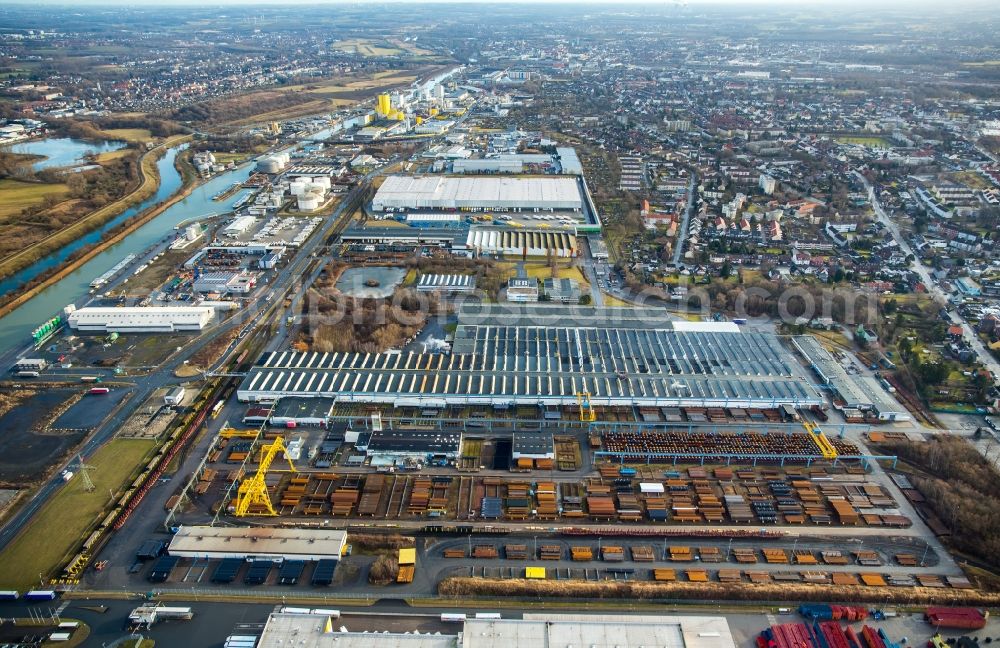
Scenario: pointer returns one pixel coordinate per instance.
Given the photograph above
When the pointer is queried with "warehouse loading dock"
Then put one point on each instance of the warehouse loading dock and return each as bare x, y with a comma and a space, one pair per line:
245, 542
855, 392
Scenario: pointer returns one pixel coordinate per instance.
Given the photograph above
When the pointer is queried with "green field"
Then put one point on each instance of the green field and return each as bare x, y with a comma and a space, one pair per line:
59, 526
129, 134
366, 47
16, 195
226, 158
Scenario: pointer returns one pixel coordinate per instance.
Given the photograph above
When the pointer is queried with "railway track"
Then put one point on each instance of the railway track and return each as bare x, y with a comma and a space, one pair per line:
396, 498
464, 497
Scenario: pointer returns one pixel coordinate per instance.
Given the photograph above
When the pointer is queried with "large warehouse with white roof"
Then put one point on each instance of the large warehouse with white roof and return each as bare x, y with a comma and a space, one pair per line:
316, 630
477, 192
140, 319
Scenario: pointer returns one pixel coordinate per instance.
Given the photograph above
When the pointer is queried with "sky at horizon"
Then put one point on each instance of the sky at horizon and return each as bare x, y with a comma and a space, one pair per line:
831, 4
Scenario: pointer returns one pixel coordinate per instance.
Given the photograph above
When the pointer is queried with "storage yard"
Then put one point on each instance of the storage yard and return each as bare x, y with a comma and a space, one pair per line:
634, 450
769, 493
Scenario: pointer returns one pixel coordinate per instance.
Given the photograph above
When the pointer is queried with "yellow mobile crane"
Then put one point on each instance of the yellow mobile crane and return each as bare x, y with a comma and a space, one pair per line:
816, 434
228, 432
587, 413
252, 492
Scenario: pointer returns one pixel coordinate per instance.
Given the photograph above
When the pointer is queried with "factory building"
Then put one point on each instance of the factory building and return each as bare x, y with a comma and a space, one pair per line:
225, 283
205, 542
297, 412
392, 447
440, 236
490, 165
568, 161
533, 446
562, 290
861, 393
522, 289
238, 226
30, 364
477, 192
446, 283
564, 162
316, 630
138, 319
543, 360
520, 242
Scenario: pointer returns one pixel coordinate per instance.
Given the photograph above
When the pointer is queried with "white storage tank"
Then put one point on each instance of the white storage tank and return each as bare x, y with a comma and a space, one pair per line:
309, 201
270, 165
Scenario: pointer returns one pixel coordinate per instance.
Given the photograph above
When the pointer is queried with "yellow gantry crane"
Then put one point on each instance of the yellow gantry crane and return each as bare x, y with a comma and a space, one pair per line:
252, 493
587, 413
816, 434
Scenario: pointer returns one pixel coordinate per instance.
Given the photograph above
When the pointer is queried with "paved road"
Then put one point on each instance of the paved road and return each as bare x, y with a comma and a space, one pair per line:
589, 265
212, 621
682, 230
933, 288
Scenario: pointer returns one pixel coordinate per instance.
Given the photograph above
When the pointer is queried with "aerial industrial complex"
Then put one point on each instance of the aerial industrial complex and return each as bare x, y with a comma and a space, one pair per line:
446, 323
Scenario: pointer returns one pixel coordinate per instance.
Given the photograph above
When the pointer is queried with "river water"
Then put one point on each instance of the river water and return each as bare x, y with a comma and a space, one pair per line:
16, 327
63, 151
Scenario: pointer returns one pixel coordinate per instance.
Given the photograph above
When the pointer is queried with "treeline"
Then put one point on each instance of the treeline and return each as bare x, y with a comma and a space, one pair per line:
333, 321
463, 587
962, 488
338, 322
759, 297
157, 127
16, 165
242, 142
490, 276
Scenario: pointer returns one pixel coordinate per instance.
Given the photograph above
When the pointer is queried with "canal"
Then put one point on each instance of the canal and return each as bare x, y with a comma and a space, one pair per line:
16, 327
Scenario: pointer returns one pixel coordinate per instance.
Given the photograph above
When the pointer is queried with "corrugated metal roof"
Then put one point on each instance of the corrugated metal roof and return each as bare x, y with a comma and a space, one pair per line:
532, 363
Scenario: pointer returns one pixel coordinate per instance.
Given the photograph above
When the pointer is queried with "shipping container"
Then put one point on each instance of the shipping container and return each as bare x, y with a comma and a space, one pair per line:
40, 595
959, 617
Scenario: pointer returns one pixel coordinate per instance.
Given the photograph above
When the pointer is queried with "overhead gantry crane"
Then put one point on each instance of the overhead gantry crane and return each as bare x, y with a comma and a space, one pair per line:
252, 497
587, 413
816, 434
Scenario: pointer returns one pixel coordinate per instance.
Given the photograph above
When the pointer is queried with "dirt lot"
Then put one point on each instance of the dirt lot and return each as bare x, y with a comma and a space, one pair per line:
90, 410
131, 350
159, 271
150, 419
27, 452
